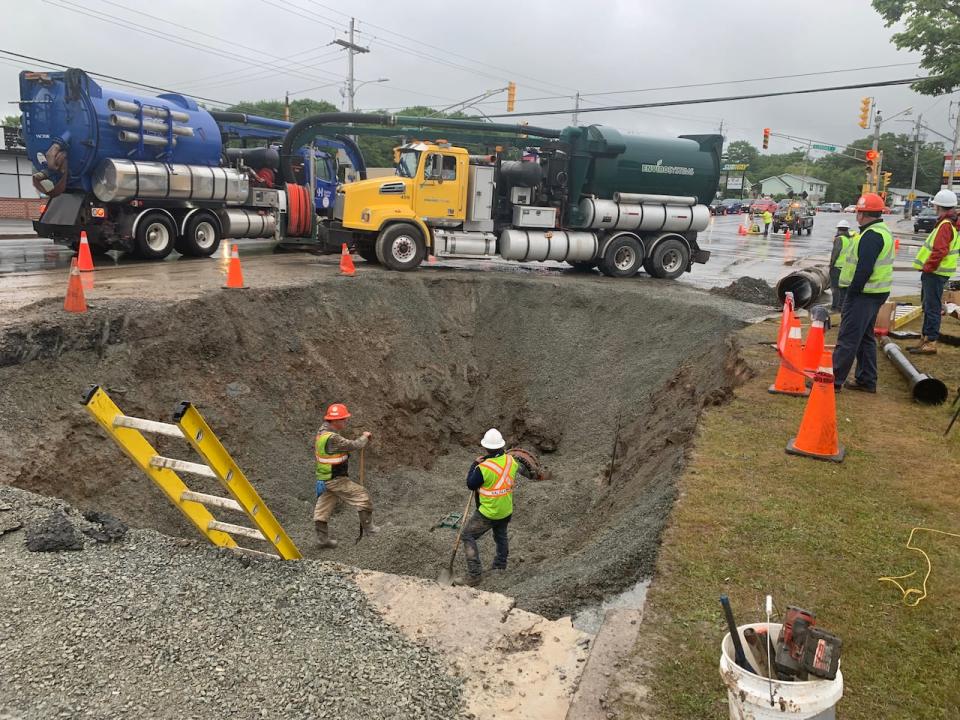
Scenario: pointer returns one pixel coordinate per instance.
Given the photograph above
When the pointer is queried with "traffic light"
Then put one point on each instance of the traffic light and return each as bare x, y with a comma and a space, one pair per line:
872, 156
511, 96
865, 112
766, 138
887, 176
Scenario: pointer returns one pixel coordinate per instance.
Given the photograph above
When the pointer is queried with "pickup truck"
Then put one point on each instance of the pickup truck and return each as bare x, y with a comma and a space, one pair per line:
793, 215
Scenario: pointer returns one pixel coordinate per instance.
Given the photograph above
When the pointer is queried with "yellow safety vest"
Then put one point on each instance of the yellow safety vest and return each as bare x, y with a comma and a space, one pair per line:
844, 249
881, 279
767, 217
326, 462
948, 263
496, 494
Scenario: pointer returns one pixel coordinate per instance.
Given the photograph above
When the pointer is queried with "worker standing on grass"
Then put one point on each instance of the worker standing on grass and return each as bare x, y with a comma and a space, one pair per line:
937, 261
491, 477
838, 257
767, 219
333, 483
867, 278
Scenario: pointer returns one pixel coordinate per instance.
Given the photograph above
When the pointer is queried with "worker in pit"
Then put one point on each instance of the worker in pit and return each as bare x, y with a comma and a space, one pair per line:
838, 257
937, 261
333, 483
491, 477
767, 219
867, 277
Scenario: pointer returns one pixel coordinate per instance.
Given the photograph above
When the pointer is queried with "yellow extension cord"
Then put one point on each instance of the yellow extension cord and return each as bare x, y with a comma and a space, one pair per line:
922, 593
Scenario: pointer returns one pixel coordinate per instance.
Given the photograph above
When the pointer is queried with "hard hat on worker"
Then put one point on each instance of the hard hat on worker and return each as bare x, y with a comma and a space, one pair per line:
337, 411
844, 224
945, 199
870, 202
492, 439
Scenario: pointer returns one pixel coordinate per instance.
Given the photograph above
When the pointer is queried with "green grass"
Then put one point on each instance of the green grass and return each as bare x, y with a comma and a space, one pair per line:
753, 520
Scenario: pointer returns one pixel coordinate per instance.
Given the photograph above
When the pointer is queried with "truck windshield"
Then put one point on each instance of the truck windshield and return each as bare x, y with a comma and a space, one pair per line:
407, 167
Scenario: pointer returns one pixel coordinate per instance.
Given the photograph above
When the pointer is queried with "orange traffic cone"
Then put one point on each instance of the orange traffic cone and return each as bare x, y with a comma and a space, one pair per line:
817, 437
741, 230
75, 302
896, 245
786, 235
346, 262
790, 381
814, 347
84, 258
234, 271
431, 259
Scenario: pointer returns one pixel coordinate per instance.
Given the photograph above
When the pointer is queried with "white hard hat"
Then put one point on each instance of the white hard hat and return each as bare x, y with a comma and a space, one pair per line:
844, 224
492, 439
945, 198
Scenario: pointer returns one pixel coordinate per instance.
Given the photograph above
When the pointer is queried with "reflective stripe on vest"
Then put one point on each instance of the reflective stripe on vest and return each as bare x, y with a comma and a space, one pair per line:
881, 279
496, 494
846, 241
325, 461
948, 263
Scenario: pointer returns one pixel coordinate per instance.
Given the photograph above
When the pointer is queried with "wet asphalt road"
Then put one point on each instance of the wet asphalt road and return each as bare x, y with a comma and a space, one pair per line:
32, 268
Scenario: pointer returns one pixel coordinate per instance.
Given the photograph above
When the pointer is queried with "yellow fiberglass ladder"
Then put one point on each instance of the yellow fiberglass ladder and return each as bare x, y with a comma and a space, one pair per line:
127, 432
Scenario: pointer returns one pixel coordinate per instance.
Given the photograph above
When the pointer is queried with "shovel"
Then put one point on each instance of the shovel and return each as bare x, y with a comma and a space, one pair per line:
446, 574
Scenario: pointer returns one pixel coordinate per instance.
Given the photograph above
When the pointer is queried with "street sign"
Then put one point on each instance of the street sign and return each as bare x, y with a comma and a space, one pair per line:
735, 183
827, 148
738, 167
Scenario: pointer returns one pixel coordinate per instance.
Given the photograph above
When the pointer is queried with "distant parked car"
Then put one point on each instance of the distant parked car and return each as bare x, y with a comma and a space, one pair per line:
794, 215
717, 209
850, 208
763, 205
732, 206
925, 221
830, 207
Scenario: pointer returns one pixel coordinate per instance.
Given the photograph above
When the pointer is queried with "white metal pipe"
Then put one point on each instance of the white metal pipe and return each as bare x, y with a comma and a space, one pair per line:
132, 137
212, 500
129, 107
159, 461
122, 121
161, 428
641, 198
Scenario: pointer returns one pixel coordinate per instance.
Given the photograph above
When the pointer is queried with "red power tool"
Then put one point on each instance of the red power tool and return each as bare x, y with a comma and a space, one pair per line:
803, 648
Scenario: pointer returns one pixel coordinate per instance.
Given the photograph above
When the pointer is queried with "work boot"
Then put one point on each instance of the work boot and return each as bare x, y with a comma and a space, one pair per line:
323, 537
468, 580
927, 347
914, 348
854, 385
366, 521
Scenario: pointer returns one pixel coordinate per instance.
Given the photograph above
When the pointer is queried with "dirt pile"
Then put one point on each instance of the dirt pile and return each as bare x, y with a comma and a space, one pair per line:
427, 364
750, 290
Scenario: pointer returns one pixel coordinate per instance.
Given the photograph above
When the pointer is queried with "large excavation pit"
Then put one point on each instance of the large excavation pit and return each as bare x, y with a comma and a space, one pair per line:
426, 363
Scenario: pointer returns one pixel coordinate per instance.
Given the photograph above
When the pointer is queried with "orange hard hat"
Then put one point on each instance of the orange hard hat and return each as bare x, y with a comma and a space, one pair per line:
870, 202
337, 411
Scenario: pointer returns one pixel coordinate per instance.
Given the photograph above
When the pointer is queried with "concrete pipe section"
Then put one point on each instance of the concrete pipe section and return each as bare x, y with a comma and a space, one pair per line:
925, 389
806, 284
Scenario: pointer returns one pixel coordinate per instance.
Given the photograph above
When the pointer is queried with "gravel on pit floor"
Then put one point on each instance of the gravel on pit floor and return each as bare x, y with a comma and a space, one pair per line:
158, 627
750, 290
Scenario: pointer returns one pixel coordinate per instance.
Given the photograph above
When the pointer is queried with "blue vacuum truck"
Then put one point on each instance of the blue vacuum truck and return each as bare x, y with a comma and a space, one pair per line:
150, 175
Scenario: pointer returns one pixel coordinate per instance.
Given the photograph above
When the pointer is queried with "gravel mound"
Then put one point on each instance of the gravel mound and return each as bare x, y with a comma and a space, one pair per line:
750, 290
156, 627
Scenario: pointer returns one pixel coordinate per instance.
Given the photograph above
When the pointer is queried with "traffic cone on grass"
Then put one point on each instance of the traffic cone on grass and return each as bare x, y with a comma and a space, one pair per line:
790, 380
234, 271
817, 437
814, 347
346, 262
84, 258
75, 302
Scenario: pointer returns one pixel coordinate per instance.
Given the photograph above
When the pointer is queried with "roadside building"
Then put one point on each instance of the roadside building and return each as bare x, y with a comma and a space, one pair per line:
784, 184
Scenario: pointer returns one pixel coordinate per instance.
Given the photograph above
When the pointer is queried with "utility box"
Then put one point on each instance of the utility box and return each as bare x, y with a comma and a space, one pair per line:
534, 217
521, 195
479, 199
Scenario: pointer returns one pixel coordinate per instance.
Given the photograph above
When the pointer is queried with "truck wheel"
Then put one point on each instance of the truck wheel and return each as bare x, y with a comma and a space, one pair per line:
368, 253
201, 238
669, 260
155, 236
623, 257
401, 247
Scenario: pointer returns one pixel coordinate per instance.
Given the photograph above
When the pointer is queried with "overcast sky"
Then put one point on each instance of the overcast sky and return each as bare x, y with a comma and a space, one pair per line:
439, 52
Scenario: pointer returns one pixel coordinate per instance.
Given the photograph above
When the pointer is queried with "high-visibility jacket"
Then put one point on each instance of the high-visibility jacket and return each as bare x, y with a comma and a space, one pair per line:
329, 465
948, 264
881, 279
846, 241
496, 493
767, 217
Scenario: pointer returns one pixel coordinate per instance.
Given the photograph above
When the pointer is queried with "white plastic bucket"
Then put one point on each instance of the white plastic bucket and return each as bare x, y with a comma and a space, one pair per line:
749, 695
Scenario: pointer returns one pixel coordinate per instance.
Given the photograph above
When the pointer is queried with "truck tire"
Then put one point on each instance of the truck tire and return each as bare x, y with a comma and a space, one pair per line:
401, 247
623, 257
155, 236
669, 259
201, 237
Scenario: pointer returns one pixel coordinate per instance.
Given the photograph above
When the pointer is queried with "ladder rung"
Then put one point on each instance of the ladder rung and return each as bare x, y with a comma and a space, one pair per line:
236, 529
214, 500
153, 426
159, 461
255, 553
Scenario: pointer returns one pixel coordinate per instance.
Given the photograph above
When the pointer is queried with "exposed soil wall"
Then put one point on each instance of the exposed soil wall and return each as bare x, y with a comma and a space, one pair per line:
426, 364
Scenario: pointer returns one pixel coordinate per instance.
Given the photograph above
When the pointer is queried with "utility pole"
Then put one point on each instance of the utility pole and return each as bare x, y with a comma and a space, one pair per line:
953, 152
875, 179
916, 160
576, 108
352, 49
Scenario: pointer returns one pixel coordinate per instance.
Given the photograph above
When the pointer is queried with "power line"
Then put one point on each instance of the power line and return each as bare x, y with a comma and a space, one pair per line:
205, 80
728, 98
